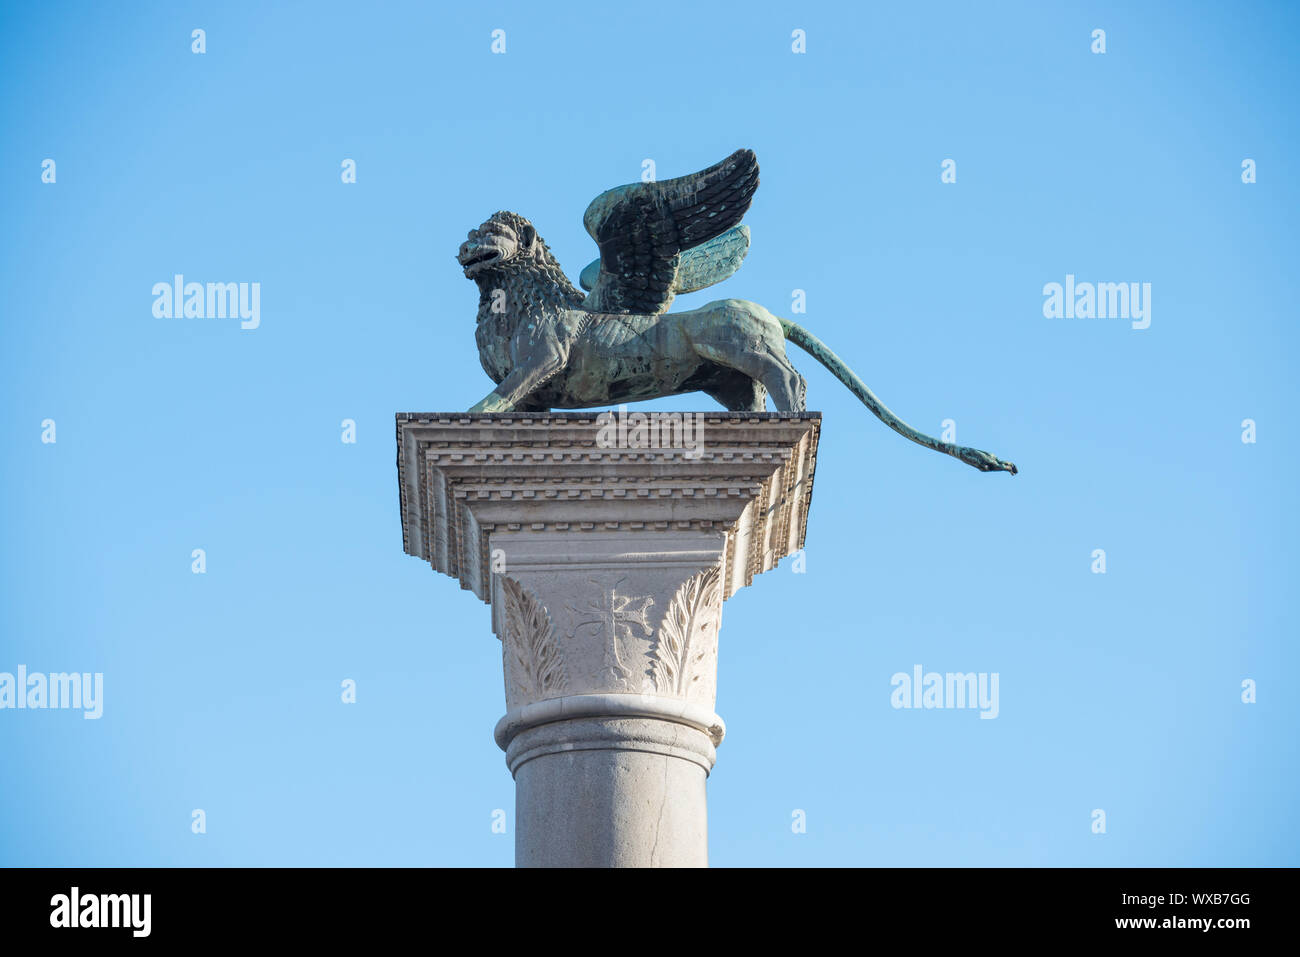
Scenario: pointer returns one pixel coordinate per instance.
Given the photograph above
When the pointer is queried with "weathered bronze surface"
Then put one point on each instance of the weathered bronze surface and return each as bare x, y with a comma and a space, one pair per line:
548, 345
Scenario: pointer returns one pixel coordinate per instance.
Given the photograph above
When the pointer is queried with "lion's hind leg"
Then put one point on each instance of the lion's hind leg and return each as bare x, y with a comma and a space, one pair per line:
788, 388
766, 367
745, 337
738, 392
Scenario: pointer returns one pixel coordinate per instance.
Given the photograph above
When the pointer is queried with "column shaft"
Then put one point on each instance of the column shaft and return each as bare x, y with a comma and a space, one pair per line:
611, 792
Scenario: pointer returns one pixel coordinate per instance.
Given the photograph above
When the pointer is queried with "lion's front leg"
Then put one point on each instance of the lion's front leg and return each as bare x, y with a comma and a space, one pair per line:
541, 366
494, 403
509, 395
491, 403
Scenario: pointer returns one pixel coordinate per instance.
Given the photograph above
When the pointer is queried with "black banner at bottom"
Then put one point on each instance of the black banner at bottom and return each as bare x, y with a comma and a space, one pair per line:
178, 905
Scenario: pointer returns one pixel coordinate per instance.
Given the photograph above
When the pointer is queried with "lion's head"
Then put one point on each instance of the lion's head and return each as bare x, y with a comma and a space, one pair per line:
504, 239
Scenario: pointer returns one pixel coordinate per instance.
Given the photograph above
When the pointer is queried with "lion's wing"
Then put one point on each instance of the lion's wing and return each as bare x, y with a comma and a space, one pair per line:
643, 228
698, 267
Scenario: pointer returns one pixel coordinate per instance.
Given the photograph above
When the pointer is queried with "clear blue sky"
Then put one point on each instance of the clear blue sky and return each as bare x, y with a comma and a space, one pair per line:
1118, 691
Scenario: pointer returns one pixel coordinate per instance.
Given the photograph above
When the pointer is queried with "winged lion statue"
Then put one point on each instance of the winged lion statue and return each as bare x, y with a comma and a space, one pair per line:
548, 345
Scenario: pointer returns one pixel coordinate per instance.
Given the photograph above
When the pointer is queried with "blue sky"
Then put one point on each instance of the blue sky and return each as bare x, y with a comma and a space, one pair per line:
1118, 691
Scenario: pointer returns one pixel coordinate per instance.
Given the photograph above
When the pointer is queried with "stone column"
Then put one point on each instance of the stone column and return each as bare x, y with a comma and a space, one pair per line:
606, 562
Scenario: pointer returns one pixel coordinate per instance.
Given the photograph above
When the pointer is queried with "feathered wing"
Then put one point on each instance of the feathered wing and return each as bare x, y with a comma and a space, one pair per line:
698, 267
712, 262
643, 229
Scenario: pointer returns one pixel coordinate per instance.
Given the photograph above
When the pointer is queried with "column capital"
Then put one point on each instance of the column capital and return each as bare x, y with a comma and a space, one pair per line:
606, 545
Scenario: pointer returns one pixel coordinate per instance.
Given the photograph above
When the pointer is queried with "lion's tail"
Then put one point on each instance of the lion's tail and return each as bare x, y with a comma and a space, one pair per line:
821, 352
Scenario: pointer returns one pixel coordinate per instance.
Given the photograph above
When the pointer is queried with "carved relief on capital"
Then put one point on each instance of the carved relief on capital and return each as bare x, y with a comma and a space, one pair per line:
685, 647
533, 664
624, 631
617, 622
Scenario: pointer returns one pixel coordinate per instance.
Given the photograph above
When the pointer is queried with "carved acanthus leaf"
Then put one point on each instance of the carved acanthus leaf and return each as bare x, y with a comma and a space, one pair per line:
531, 640
676, 649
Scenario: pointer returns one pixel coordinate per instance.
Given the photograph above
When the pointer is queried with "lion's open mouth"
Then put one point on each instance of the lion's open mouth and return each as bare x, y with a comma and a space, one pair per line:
483, 257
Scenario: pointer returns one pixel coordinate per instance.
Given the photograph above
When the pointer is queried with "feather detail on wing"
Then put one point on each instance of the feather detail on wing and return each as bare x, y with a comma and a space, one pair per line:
645, 230
698, 267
